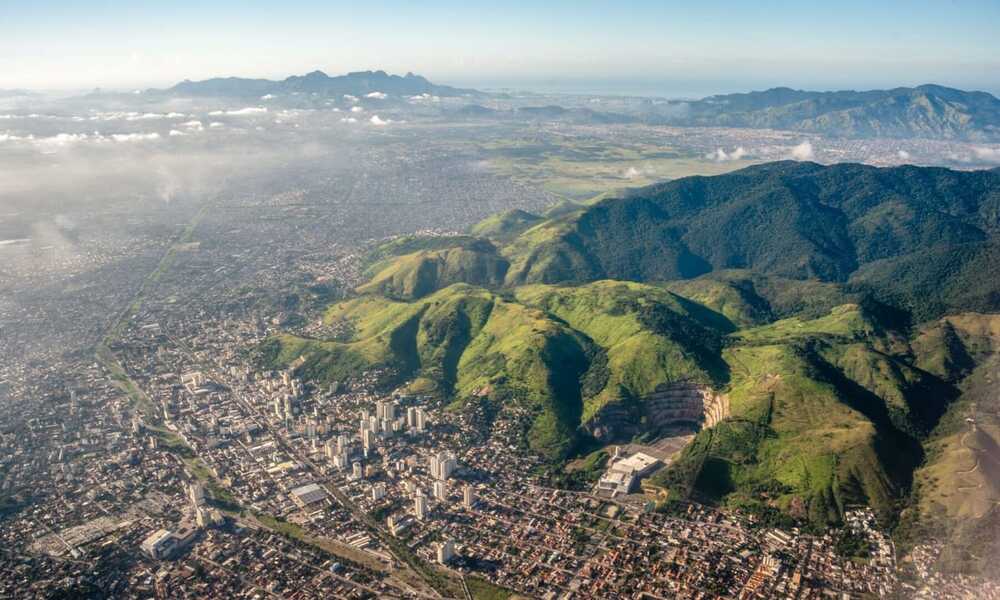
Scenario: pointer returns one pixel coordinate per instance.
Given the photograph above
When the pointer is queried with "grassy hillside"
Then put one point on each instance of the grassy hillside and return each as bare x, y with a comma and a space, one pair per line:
956, 493
821, 418
423, 272
459, 341
820, 409
647, 336
505, 225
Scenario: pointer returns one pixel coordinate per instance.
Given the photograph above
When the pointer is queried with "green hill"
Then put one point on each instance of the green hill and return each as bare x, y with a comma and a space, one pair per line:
820, 418
460, 341
873, 228
506, 225
647, 337
793, 299
819, 409
423, 272
563, 207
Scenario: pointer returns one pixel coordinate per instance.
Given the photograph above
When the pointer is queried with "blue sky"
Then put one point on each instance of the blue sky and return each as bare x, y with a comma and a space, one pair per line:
684, 47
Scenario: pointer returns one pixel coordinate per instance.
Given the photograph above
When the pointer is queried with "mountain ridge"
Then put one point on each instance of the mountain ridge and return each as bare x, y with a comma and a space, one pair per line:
353, 83
924, 111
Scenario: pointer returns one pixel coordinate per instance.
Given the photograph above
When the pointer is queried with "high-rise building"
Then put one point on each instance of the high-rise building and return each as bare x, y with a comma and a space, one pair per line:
440, 490
442, 465
419, 420
358, 471
378, 491
448, 465
420, 507
196, 493
468, 496
445, 551
385, 410
340, 461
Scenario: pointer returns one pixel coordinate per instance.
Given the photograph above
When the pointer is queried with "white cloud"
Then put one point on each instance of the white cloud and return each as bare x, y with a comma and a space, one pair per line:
424, 98
215, 125
721, 155
903, 155
135, 116
65, 139
348, 120
241, 112
267, 97
134, 137
377, 95
176, 133
151, 116
637, 172
376, 120
803, 151
356, 109
987, 154
195, 125
350, 98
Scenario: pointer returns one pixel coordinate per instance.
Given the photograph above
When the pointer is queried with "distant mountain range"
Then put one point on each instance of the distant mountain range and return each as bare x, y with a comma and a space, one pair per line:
927, 111
358, 83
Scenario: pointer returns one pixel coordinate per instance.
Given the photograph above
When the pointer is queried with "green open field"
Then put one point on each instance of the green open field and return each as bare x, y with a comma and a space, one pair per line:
580, 168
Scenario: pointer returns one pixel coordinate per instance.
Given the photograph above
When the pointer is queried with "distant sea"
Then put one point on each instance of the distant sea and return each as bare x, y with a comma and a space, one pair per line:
674, 89
678, 90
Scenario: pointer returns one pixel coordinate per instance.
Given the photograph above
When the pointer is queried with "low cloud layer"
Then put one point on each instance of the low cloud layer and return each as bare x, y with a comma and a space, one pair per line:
721, 155
241, 112
803, 151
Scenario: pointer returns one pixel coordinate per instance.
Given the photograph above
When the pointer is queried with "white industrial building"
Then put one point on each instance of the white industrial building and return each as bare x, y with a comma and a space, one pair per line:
624, 474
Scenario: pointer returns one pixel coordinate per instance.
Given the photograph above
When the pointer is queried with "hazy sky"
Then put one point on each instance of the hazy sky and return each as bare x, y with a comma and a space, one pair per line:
684, 47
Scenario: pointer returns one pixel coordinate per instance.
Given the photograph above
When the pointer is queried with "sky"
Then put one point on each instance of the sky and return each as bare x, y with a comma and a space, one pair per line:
672, 48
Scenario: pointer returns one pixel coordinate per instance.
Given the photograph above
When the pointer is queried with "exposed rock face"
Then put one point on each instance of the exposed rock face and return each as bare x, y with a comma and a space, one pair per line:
681, 403
684, 402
